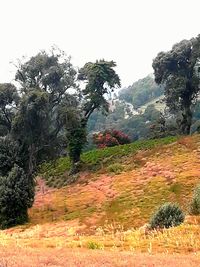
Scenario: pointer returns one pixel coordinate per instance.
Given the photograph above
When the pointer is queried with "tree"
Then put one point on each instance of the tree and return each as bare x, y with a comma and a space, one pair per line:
31, 128
141, 92
45, 80
101, 79
178, 70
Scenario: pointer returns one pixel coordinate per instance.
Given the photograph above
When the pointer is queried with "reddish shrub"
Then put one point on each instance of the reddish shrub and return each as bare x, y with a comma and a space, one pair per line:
110, 138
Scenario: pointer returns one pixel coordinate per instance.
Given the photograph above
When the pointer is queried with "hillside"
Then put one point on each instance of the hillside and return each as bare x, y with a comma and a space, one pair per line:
141, 92
106, 208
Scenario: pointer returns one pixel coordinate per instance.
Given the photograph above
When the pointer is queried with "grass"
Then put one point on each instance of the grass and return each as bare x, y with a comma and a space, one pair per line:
56, 172
101, 218
116, 168
166, 173
56, 257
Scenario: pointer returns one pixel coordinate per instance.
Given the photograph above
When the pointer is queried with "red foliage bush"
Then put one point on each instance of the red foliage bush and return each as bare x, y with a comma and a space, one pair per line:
110, 138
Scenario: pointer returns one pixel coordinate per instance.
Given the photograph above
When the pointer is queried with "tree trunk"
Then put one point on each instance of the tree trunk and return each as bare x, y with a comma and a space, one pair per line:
77, 140
186, 120
75, 163
32, 160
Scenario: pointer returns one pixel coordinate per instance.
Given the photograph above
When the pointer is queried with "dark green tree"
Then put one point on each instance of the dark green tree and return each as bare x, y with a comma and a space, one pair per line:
16, 186
16, 196
30, 127
178, 70
44, 80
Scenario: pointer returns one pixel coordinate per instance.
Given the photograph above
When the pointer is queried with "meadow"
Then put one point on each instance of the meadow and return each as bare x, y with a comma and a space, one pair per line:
100, 220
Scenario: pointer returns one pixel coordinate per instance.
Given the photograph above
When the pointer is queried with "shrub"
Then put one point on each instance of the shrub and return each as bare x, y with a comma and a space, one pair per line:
168, 215
16, 196
116, 168
110, 138
94, 245
194, 208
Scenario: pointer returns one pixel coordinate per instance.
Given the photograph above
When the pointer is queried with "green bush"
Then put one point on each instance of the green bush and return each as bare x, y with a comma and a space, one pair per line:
116, 168
94, 245
168, 215
194, 208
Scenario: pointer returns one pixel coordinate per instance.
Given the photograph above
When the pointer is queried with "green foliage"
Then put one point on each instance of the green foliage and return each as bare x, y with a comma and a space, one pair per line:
168, 215
116, 168
8, 102
77, 139
97, 156
194, 208
52, 73
141, 92
175, 188
94, 245
30, 126
16, 196
9, 151
16, 185
26, 119
38, 124
178, 69
101, 79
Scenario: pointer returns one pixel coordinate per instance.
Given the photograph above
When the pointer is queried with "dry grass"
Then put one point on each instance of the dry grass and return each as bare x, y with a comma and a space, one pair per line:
104, 212
167, 173
81, 258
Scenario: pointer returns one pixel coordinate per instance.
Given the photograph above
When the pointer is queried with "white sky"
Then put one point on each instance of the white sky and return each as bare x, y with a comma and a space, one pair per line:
130, 32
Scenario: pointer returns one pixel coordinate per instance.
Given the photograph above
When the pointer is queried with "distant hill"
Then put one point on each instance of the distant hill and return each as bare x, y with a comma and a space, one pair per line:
141, 92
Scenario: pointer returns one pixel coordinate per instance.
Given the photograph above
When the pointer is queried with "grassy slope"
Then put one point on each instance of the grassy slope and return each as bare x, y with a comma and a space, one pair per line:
104, 210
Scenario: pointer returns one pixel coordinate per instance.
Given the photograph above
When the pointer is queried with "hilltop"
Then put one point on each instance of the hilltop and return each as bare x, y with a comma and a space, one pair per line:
107, 207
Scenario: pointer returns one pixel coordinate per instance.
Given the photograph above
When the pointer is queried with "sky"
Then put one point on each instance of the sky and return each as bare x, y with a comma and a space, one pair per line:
130, 32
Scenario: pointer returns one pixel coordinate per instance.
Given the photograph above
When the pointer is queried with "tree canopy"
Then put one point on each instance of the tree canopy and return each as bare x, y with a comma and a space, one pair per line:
178, 70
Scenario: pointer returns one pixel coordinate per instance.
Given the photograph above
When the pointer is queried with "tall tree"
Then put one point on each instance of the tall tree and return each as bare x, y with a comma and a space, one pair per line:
45, 80
100, 79
178, 69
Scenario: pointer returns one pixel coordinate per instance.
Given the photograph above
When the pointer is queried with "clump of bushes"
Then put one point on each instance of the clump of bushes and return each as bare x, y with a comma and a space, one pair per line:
116, 168
168, 215
194, 208
110, 138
